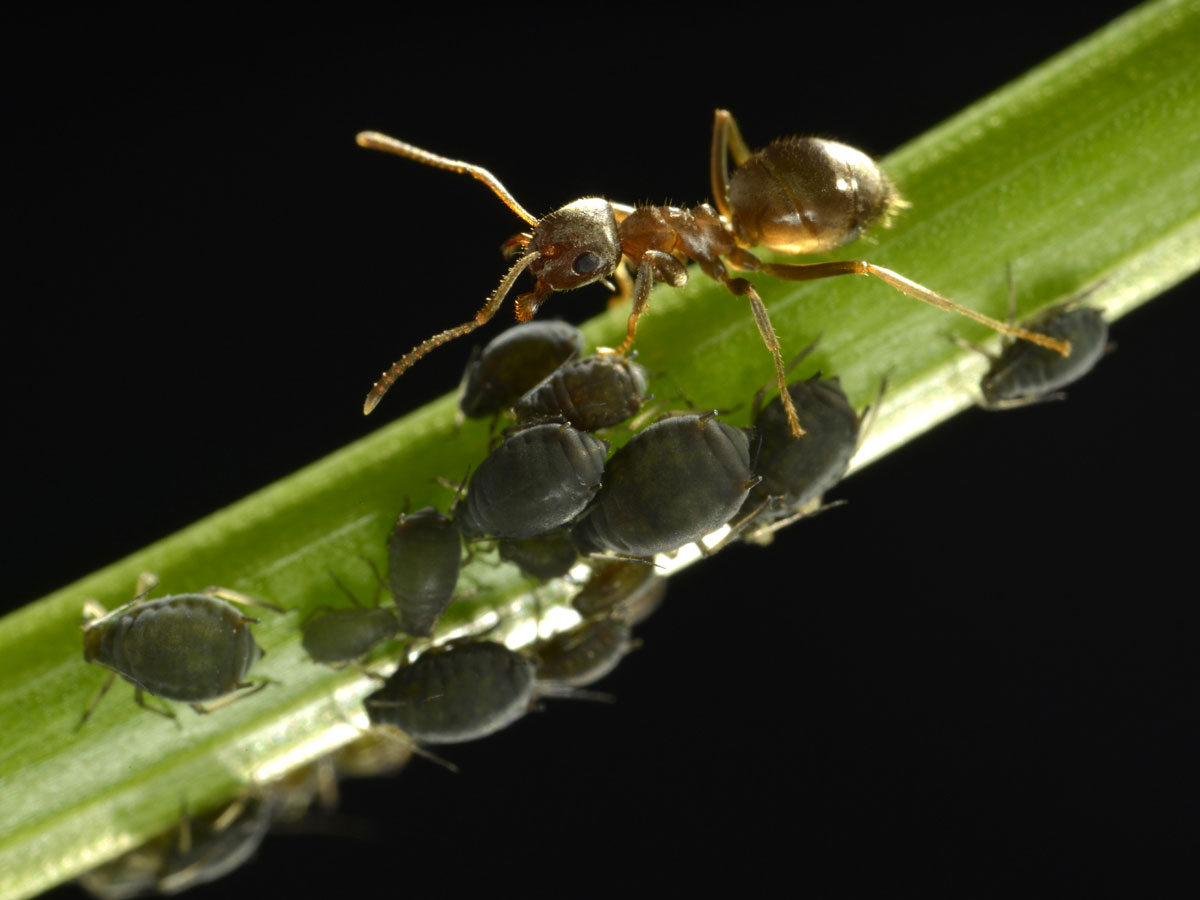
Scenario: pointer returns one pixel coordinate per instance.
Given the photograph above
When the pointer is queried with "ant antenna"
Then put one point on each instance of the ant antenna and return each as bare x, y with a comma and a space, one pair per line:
373, 140
400, 366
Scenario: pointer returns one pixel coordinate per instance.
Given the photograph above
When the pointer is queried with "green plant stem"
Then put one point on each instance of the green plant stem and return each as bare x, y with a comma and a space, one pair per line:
1056, 173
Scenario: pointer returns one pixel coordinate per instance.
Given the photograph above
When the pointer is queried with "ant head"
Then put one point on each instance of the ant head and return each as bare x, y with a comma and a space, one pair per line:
576, 245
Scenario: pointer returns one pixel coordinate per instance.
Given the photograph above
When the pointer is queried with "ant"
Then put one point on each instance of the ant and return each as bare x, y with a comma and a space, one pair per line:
798, 195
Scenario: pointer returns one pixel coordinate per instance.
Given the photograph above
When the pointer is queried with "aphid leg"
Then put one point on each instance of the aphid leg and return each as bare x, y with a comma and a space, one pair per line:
146, 582
765, 535
813, 271
737, 528
866, 419
398, 368
727, 141
395, 734
345, 590
232, 596
379, 582
567, 692
1018, 402
654, 266
206, 708
91, 707
93, 610
964, 344
740, 286
140, 699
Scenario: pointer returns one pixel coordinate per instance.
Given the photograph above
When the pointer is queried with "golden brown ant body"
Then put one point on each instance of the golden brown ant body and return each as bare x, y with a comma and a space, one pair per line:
798, 195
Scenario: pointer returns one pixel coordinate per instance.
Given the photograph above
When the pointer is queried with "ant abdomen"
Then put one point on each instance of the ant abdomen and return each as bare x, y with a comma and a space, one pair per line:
808, 195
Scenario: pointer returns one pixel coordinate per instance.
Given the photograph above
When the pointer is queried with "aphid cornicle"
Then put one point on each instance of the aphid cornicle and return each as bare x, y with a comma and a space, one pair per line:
186, 647
798, 195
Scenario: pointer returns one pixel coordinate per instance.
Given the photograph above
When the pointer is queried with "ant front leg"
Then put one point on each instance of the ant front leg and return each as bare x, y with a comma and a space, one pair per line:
655, 265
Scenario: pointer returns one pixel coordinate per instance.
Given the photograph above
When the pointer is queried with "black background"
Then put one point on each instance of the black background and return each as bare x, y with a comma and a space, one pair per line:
902, 695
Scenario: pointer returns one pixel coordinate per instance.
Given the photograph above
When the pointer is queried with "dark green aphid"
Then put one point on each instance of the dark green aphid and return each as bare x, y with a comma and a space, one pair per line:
796, 472
340, 636
185, 647
199, 851
584, 654
630, 590
680, 479
424, 559
590, 393
544, 556
538, 480
513, 362
455, 694
1024, 373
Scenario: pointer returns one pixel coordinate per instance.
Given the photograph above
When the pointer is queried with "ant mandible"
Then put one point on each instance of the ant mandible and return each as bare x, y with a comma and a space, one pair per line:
798, 195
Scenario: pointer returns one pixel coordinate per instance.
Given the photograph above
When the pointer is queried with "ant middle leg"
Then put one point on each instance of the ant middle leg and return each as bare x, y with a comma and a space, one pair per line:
742, 287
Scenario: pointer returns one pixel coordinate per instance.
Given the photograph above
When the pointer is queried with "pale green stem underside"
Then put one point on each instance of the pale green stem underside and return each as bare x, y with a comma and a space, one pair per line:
1087, 168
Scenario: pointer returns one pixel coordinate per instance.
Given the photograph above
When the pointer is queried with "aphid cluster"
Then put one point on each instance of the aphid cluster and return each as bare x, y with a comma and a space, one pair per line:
550, 495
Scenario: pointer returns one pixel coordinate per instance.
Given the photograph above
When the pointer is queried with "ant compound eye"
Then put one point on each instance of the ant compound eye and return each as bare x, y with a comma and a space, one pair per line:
586, 263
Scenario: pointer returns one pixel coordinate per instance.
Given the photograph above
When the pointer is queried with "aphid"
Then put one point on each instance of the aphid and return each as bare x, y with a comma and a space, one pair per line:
513, 362
185, 647
590, 393
631, 590
798, 195
796, 474
1024, 374
424, 559
340, 636
680, 479
454, 694
539, 479
584, 654
199, 851
543, 556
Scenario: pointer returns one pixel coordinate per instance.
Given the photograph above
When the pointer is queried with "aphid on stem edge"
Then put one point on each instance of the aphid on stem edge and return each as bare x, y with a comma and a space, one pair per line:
798, 195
